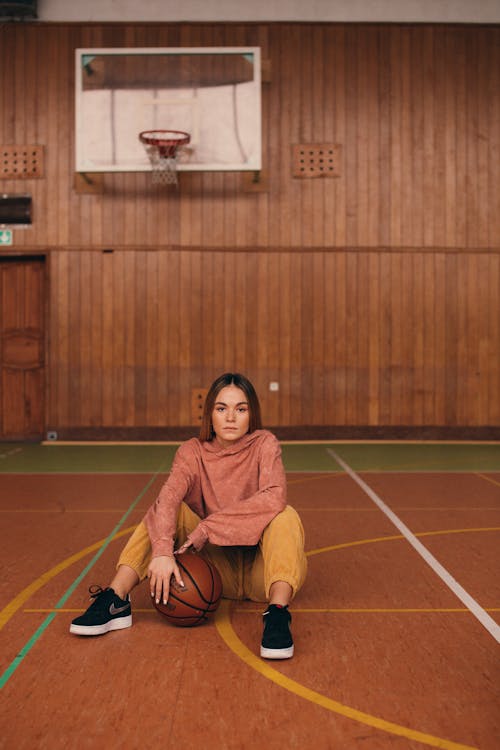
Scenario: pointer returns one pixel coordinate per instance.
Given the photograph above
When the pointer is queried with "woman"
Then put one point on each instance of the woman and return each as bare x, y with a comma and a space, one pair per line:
225, 497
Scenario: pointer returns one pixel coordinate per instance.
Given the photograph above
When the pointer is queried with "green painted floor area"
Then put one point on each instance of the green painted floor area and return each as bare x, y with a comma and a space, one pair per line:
121, 459
421, 456
308, 457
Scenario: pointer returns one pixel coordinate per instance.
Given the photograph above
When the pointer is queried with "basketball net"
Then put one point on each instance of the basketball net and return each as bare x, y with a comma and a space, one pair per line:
164, 167
163, 148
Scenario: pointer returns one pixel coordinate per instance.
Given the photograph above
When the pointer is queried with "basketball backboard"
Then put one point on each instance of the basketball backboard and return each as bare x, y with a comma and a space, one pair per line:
213, 93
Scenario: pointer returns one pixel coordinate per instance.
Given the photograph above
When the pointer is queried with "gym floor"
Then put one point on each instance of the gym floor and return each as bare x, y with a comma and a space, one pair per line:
396, 628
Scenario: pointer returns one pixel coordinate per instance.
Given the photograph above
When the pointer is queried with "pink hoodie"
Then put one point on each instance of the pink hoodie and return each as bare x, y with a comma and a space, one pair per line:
236, 491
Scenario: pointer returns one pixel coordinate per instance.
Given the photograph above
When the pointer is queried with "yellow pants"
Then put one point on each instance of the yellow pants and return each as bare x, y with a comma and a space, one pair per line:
246, 572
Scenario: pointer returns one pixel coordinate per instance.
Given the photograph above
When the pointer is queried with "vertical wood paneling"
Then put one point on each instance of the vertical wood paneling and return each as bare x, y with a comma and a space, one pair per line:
428, 339
298, 384
352, 103
22, 350
385, 337
441, 136
450, 143
339, 94
372, 298
272, 337
352, 338
93, 402
416, 86
410, 204
108, 294
395, 156
340, 374
310, 375
293, 133
491, 343
361, 181
439, 357
454, 296
326, 120
58, 338
374, 329
416, 341
7, 100
317, 331
72, 348
428, 147
287, 305
493, 126
141, 304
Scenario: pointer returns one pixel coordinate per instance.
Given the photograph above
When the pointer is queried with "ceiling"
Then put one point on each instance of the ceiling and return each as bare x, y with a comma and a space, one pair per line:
410, 11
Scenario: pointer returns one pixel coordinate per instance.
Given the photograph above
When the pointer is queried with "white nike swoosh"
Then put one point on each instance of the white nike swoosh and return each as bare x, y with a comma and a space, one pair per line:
116, 610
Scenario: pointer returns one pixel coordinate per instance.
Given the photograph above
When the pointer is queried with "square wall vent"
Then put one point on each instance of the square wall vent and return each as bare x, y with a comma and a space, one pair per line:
316, 160
21, 162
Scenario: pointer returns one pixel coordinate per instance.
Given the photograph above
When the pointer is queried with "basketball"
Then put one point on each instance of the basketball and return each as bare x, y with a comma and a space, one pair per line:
194, 603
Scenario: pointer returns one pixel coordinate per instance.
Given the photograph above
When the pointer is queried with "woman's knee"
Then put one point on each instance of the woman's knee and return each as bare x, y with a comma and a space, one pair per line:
288, 519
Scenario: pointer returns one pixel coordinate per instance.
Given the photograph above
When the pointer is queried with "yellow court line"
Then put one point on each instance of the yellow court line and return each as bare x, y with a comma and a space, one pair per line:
68, 611
11, 608
224, 627
7, 612
228, 635
296, 611
396, 469
369, 610
65, 511
400, 509
361, 542
478, 529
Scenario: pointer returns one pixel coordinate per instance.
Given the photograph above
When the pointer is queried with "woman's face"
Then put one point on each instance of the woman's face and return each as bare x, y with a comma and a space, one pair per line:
230, 415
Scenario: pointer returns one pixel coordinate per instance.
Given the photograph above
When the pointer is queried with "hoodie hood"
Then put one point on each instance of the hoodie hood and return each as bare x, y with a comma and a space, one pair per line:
214, 447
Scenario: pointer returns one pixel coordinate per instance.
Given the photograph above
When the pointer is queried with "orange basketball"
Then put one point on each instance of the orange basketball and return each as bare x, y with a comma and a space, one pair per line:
194, 603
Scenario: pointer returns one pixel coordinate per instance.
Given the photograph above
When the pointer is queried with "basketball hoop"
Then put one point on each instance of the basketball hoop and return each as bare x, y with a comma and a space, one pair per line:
163, 148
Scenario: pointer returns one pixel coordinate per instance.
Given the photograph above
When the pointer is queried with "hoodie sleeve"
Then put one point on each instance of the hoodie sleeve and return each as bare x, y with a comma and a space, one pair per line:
161, 517
243, 521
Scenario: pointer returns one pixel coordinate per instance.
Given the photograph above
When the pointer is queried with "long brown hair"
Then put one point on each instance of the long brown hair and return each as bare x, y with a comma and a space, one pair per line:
240, 381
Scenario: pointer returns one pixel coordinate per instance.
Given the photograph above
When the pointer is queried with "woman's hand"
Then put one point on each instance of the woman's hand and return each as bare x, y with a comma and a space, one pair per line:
187, 544
160, 572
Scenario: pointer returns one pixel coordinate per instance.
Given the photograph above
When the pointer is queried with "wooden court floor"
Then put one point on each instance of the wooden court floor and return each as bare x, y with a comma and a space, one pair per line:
396, 629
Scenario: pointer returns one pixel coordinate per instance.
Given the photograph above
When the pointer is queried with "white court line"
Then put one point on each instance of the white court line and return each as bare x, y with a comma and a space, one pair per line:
471, 604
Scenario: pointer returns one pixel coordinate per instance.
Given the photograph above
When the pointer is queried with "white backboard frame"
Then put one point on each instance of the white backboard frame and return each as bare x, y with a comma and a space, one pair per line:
224, 120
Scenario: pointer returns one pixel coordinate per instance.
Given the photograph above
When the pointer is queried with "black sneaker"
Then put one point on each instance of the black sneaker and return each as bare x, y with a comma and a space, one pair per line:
277, 641
107, 612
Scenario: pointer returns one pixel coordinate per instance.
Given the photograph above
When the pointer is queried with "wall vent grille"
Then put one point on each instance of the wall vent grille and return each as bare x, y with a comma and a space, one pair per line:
21, 162
316, 160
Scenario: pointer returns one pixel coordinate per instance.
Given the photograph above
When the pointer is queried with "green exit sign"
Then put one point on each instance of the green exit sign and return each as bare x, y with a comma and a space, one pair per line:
5, 237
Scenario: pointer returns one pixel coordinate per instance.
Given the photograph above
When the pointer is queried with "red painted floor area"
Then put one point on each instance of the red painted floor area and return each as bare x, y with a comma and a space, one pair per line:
386, 655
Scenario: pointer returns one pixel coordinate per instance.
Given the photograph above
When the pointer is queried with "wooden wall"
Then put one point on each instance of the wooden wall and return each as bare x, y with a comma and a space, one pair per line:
372, 298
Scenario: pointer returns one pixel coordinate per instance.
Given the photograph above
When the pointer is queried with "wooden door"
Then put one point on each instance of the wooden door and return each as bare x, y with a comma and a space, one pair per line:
22, 348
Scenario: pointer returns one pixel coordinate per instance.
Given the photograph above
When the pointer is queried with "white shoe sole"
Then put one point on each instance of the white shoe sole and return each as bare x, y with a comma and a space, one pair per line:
119, 623
276, 653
